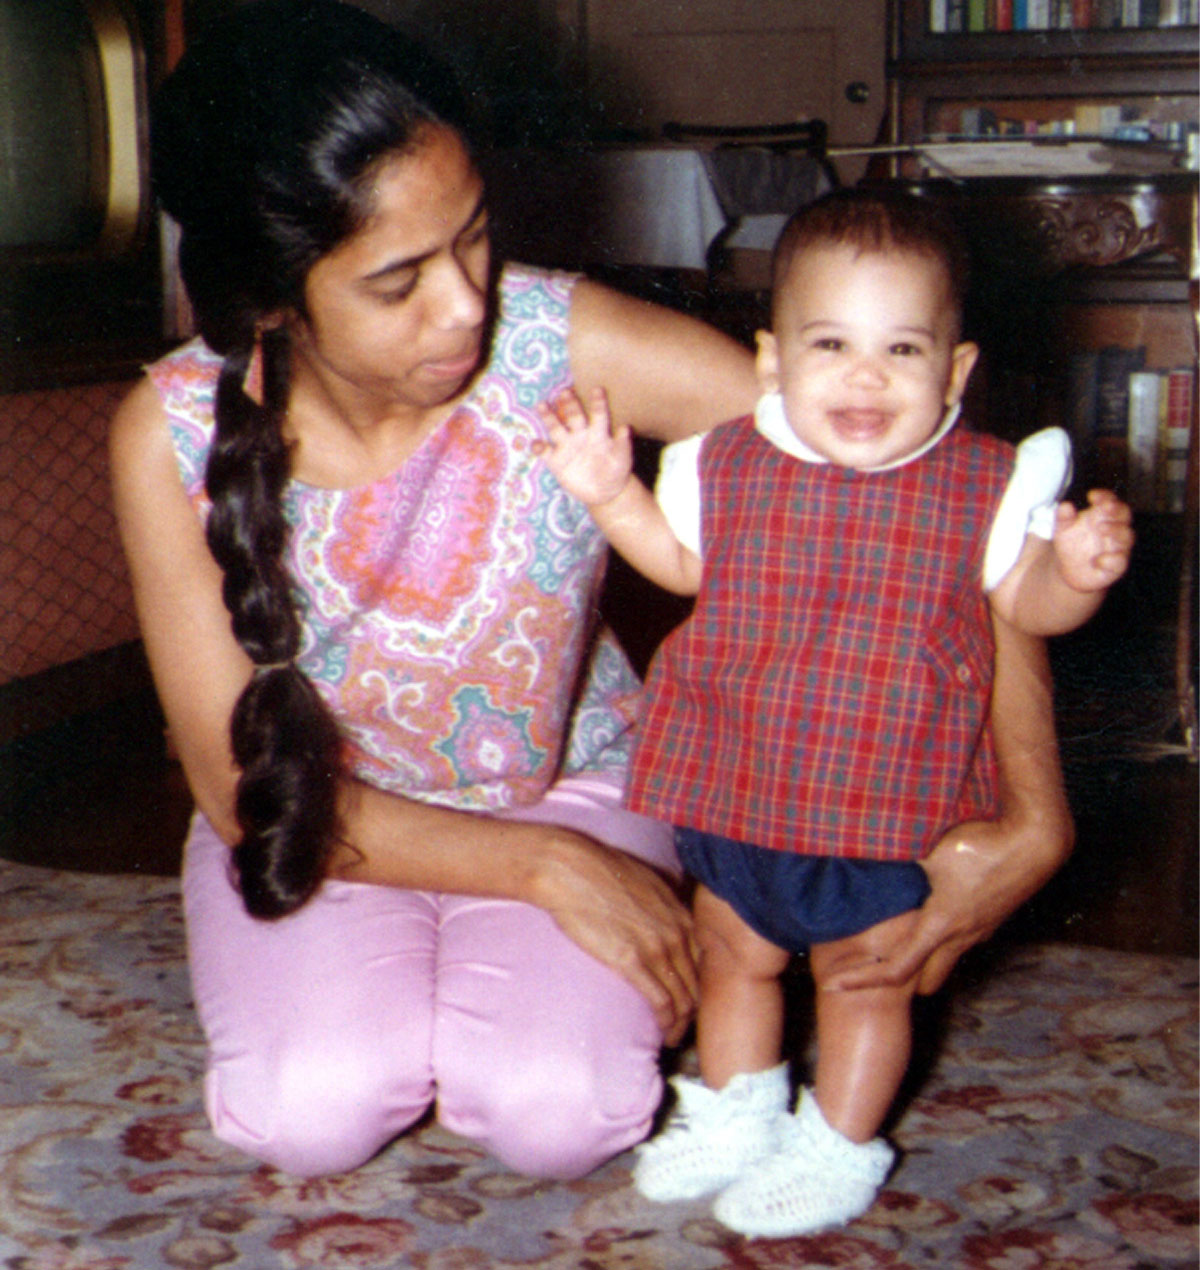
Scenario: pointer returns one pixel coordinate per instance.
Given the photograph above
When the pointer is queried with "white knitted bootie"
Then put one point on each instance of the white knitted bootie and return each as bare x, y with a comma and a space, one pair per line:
712, 1135
815, 1177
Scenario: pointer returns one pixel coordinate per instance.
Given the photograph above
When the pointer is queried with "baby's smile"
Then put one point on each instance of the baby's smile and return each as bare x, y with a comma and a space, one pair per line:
859, 423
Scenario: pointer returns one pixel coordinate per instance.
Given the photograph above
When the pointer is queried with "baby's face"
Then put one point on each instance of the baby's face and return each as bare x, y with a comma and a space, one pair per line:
864, 352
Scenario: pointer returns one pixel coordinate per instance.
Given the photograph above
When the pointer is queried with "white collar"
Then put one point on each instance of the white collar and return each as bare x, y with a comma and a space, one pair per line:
771, 422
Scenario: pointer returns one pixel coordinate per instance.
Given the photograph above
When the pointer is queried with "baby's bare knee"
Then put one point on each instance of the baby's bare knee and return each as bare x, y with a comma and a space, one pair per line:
881, 942
728, 943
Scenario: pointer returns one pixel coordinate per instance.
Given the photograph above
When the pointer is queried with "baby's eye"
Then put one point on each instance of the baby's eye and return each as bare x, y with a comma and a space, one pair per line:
906, 350
828, 344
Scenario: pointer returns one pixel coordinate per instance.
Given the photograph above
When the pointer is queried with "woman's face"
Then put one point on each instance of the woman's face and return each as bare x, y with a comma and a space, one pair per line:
396, 313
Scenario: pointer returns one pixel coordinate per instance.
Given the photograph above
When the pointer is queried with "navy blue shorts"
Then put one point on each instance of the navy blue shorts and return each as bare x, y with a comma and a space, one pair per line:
796, 901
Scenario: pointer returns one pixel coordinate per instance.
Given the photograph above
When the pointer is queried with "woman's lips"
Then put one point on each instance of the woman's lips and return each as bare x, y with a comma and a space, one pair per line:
453, 367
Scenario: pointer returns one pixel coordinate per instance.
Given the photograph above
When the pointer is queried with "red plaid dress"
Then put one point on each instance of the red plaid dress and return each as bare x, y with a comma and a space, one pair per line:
829, 693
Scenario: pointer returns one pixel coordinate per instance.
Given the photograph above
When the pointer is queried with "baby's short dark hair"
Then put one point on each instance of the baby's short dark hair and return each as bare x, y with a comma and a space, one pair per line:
876, 219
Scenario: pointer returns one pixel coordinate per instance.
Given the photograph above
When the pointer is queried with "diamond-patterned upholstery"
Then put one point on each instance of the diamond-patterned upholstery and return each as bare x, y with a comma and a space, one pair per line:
64, 590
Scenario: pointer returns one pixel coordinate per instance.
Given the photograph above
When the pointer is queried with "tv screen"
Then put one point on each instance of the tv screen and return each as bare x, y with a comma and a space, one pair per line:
52, 178
80, 271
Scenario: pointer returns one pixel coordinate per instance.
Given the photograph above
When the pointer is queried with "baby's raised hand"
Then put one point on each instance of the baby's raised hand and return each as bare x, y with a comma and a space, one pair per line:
1093, 545
590, 459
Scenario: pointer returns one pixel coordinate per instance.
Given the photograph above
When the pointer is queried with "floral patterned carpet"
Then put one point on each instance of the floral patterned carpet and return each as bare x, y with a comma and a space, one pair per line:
1054, 1125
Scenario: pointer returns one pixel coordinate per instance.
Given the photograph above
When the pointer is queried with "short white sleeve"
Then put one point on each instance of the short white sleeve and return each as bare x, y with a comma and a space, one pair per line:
1040, 477
678, 489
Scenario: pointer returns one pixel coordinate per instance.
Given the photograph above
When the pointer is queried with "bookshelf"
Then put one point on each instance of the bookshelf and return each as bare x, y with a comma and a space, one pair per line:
1069, 150
1089, 98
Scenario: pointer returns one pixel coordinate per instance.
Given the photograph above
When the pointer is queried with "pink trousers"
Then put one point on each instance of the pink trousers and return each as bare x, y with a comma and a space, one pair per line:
333, 1030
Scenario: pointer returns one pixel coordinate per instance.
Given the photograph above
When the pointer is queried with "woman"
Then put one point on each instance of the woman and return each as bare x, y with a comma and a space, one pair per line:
370, 617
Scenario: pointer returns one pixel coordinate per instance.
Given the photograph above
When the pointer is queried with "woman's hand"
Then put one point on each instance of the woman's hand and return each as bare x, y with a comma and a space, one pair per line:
981, 872
613, 906
627, 916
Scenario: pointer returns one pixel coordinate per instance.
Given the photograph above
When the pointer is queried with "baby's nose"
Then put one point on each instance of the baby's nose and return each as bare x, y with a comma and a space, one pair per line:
867, 368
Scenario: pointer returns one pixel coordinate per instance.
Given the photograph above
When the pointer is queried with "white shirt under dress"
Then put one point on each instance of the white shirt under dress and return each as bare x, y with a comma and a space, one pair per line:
1041, 474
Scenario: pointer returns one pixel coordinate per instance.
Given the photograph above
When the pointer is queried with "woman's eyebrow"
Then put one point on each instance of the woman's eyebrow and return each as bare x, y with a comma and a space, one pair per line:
411, 262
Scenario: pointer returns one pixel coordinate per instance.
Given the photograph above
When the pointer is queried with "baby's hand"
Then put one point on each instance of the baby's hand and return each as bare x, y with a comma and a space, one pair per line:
590, 460
1093, 545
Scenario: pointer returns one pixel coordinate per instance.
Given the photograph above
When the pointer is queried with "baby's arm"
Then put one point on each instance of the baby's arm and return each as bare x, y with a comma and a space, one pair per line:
595, 463
1056, 586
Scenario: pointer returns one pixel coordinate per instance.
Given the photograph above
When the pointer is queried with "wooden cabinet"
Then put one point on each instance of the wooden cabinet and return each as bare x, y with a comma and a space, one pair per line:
1070, 157
738, 62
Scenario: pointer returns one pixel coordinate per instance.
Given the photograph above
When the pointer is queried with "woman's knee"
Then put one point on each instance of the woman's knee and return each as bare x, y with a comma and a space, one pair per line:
313, 1115
559, 1119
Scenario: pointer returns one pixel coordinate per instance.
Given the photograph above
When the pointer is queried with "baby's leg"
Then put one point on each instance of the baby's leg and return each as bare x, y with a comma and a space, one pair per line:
864, 1037
827, 1165
725, 1123
739, 1026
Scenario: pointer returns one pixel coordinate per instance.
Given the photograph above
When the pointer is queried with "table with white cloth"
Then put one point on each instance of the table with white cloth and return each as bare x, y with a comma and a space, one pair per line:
653, 206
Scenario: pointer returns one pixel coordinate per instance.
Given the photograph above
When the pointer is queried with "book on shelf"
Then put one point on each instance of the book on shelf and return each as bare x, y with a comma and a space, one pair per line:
1110, 424
952, 17
1081, 119
1131, 425
1141, 483
1081, 399
1160, 427
1177, 390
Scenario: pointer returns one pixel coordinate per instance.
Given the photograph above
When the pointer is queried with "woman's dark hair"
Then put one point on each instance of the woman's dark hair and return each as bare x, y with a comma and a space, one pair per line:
263, 142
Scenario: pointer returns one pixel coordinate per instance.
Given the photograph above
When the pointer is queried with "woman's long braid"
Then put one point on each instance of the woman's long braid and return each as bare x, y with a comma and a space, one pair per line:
284, 739
264, 140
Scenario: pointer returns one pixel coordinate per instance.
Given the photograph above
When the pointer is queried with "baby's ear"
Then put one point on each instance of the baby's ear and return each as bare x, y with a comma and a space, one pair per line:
962, 362
766, 361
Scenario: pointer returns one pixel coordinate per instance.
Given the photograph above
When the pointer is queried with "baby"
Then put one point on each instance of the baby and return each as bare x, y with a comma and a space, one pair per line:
818, 722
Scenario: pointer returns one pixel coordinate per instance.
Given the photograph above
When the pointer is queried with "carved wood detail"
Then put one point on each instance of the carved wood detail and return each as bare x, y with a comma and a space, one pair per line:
1079, 227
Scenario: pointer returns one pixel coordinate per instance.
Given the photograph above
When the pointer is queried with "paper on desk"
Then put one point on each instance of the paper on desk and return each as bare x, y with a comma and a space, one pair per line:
1045, 157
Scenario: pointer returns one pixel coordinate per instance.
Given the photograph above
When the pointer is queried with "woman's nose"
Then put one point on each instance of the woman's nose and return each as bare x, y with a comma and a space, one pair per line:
461, 300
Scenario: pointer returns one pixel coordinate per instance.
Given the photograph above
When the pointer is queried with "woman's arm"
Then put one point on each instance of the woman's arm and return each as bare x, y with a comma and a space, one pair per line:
199, 669
983, 871
667, 375
618, 909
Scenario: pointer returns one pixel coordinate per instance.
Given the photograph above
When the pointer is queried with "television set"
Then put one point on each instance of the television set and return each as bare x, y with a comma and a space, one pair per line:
80, 266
